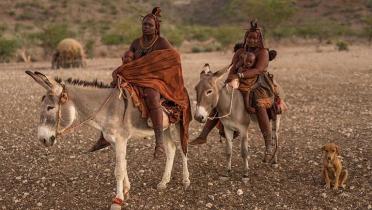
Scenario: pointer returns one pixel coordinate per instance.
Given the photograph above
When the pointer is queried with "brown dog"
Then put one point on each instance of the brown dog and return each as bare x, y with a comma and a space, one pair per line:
333, 172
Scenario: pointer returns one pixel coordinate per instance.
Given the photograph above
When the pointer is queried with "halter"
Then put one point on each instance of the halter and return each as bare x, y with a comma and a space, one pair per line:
69, 128
230, 109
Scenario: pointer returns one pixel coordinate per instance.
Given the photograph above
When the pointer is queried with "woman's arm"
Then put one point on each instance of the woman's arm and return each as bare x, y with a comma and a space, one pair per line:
233, 70
261, 65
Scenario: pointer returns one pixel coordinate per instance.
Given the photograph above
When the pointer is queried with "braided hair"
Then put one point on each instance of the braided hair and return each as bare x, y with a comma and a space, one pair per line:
155, 15
254, 28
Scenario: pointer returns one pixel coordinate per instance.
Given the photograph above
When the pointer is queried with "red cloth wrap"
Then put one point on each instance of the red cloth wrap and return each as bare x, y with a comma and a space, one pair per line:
162, 71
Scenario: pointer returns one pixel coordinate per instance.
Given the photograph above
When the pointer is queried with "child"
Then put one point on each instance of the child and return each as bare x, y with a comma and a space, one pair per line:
127, 57
245, 63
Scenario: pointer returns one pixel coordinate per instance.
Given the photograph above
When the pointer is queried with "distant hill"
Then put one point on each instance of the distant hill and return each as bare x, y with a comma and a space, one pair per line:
214, 23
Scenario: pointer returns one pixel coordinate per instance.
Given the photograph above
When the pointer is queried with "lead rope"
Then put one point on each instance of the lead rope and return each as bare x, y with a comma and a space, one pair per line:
68, 129
230, 110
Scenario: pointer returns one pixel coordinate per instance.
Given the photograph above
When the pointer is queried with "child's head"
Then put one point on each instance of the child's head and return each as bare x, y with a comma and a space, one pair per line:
128, 57
248, 59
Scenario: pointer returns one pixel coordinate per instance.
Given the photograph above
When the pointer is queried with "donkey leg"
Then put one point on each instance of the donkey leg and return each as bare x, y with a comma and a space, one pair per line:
170, 151
275, 136
185, 170
228, 149
244, 153
122, 182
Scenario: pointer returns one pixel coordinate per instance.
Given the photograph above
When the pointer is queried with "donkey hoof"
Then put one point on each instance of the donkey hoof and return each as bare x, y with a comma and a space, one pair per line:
245, 180
275, 165
161, 186
186, 184
115, 207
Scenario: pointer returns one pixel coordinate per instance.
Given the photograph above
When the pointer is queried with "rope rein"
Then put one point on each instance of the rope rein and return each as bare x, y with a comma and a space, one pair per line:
68, 129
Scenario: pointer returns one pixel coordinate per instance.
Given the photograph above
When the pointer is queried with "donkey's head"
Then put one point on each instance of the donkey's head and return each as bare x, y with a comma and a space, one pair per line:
207, 92
57, 112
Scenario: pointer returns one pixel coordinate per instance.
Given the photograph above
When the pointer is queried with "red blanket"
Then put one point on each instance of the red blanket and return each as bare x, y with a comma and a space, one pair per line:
161, 70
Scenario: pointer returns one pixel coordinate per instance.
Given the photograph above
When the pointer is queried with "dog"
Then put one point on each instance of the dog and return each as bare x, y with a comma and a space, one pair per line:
333, 173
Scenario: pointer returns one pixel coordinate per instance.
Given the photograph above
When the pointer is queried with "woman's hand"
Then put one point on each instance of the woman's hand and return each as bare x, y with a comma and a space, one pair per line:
234, 83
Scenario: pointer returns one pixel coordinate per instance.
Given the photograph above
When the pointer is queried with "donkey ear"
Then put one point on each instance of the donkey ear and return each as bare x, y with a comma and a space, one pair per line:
43, 81
220, 73
206, 69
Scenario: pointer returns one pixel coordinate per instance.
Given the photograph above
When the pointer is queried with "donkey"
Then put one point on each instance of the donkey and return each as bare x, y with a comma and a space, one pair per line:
103, 109
213, 93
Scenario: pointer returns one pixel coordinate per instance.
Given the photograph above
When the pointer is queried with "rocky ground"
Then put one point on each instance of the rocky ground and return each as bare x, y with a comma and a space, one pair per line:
329, 94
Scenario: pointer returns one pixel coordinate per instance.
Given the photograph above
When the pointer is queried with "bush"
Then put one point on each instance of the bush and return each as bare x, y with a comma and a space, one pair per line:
228, 35
367, 31
52, 35
369, 3
112, 39
321, 30
283, 32
196, 50
199, 33
8, 48
89, 48
342, 46
123, 32
270, 13
3, 28
174, 35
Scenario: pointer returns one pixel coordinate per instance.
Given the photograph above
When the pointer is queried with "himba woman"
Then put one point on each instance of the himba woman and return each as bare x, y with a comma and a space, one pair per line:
150, 41
254, 83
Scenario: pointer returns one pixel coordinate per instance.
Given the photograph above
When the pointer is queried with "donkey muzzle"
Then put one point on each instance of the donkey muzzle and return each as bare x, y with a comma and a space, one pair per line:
46, 136
201, 114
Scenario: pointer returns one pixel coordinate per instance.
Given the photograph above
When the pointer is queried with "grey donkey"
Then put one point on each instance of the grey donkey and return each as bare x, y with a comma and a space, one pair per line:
213, 93
102, 108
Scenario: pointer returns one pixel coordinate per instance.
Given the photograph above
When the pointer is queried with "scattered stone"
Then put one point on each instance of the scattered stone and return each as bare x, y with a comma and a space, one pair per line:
211, 197
324, 195
209, 205
240, 192
39, 204
224, 178
345, 195
210, 184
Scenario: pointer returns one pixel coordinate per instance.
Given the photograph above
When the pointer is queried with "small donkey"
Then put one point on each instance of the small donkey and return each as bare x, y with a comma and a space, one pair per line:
212, 93
103, 109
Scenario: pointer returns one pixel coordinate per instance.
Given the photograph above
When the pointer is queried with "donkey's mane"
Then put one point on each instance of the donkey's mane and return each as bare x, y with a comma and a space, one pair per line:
84, 83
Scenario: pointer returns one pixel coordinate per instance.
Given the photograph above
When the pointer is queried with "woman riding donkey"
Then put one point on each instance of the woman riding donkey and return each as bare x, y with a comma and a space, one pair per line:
153, 84
255, 84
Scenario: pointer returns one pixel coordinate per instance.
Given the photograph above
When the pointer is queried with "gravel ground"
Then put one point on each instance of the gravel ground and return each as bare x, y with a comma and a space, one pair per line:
329, 94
